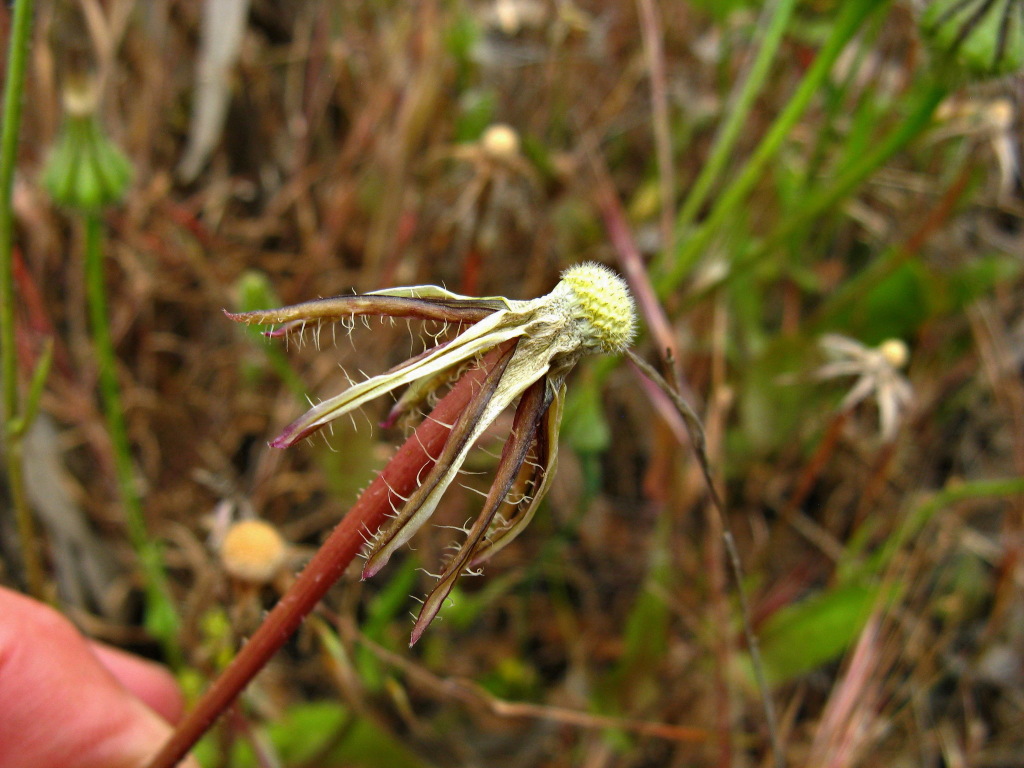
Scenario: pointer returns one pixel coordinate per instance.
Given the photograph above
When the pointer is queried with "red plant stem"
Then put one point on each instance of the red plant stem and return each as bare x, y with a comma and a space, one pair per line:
817, 463
369, 512
632, 263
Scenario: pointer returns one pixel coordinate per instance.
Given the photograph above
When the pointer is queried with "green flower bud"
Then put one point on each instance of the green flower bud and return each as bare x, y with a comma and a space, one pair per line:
975, 39
254, 291
85, 170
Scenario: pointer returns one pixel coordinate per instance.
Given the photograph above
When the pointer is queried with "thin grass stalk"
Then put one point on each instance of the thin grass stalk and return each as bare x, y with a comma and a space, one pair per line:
858, 286
852, 15
161, 616
14, 93
854, 289
480, 702
924, 512
367, 515
835, 189
698, 442
35, 577
771, 25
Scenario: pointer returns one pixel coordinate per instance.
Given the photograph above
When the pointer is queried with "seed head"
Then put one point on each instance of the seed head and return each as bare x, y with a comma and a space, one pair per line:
895, 352
877, 371
524, 350
85, 170
602, 307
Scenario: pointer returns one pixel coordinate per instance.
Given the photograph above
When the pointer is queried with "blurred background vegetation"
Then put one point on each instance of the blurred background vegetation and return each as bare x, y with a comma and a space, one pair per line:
820, 209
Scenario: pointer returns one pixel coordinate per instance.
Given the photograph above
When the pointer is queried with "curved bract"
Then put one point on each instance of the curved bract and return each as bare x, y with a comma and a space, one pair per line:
534, 343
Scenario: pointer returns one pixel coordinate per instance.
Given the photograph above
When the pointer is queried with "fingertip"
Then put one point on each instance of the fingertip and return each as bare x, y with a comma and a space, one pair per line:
60, 706
147, 680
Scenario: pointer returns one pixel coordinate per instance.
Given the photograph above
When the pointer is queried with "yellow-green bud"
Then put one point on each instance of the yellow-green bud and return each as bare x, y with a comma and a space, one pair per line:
975, 39
602, 306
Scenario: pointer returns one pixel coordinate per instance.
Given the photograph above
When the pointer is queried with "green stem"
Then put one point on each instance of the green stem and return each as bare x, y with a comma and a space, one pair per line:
830, 194
926, 511
161, 617
774, 21
834, 190
13, 98
35, 576
849, 22
17, 57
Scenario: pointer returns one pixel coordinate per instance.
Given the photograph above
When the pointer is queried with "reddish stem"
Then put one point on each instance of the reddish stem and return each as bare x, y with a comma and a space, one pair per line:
328, 564
817, 463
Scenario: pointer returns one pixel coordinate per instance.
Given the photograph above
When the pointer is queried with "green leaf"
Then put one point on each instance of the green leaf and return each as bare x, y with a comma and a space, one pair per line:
898, 306
477, 110
801, 637
306, 730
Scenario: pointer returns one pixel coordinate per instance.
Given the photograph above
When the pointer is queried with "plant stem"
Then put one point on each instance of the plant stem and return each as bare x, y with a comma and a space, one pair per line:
17, 55
161, 616
834, 190
695, 430
855, 288
365, 517
924, 512
13, 98
775, 17
35, 579
851, 17
858, 286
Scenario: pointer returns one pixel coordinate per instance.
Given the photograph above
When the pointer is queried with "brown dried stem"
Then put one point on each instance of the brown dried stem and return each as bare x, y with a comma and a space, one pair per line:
478, 700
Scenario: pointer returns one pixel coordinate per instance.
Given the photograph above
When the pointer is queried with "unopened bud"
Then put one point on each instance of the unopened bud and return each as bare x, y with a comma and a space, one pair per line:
85, 170
253, 551
500, 141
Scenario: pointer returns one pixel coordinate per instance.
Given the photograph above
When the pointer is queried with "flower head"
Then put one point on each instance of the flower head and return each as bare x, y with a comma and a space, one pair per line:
528, 349
878, 371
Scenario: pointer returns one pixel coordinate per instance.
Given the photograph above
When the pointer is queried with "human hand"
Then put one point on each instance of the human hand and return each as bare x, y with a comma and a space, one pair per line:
68, 703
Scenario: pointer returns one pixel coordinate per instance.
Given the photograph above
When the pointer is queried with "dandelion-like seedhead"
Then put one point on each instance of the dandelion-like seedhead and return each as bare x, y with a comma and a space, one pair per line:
527, 348
878, 371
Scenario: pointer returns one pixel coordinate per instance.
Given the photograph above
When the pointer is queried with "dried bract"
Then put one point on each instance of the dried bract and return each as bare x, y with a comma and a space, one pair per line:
535, 344
878, 372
